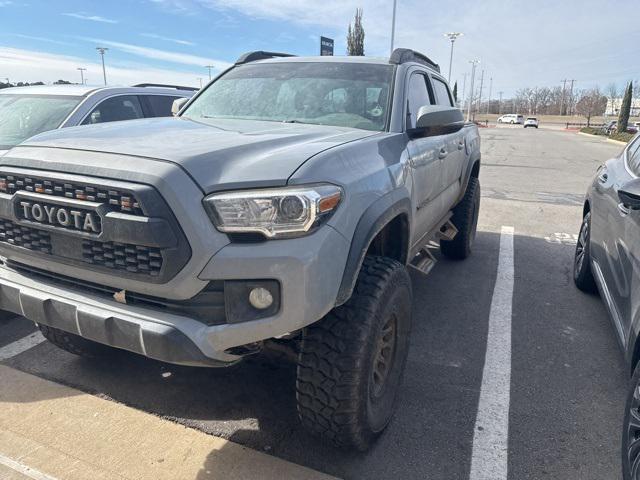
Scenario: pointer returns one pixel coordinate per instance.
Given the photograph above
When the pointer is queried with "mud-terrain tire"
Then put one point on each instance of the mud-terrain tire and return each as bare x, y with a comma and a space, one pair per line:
582, 274
465, 219
351, 362
75, 344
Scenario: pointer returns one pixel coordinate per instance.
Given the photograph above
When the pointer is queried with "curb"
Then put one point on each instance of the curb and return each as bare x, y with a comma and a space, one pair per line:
56, 432
617, 141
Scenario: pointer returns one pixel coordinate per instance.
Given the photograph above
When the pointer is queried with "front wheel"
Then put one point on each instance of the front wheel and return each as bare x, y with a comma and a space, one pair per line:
631, 430
582, 274
351, 362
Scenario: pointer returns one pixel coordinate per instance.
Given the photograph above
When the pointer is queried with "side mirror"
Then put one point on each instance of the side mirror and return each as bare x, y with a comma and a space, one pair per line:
629, 194
438, 120
177, 105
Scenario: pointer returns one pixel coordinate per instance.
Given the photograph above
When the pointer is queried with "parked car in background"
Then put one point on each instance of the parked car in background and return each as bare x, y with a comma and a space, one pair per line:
531, 122
609, 127
511, 118
27, 111
607, 259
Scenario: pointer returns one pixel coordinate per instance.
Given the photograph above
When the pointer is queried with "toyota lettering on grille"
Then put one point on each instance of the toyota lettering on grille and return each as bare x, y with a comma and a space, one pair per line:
59, 216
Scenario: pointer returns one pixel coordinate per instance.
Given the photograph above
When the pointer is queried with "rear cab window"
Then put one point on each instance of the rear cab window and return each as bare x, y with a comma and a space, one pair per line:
441, 90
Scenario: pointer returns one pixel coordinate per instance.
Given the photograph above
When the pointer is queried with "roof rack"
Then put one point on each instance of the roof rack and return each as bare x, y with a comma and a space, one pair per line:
162, 85
260, 55
404, 55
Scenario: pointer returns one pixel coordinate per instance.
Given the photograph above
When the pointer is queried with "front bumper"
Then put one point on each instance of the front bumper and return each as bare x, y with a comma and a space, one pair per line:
307, 269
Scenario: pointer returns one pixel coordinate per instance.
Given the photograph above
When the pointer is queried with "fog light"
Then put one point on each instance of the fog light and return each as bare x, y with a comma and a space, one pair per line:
260, 298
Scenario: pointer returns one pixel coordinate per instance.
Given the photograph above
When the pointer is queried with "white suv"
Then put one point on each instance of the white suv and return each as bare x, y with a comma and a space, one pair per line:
511, 118
27, 111
531, 122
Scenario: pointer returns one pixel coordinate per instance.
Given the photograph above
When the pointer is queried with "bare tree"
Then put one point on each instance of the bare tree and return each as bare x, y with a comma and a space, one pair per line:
355, 36
612, 93
592, 103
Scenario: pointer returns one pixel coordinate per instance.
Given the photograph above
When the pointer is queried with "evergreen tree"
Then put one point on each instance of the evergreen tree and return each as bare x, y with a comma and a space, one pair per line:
355, 36
625, 109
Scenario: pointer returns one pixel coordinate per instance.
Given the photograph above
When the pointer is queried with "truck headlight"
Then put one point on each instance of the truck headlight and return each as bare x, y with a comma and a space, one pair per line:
273, 212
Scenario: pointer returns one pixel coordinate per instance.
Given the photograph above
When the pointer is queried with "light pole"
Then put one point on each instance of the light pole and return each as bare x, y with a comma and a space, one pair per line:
464, 89
452, 36
490, 88
200, 80
473, 76
393, 27
500, 103
209, 67
101, 51
82, 70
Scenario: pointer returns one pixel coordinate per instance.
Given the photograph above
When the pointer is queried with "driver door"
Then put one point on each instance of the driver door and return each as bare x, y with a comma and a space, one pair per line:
425, 155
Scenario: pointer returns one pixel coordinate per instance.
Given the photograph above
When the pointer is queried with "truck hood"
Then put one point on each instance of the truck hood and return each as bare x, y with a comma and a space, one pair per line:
218, 154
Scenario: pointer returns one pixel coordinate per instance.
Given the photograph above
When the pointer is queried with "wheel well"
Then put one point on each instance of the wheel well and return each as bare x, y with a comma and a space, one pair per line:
636, 356
393, 240
475, 170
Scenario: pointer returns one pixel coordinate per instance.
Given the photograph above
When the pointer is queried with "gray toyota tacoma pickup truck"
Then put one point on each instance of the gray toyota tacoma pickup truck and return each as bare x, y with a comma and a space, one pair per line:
282, 206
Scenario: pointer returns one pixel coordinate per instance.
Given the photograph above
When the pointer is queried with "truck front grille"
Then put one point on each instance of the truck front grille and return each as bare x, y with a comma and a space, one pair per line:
25, 237
121, 256
118, 200
132, 231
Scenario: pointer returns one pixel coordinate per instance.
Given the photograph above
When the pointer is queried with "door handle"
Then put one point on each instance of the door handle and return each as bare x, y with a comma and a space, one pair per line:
443, 153
603, 177
623, 209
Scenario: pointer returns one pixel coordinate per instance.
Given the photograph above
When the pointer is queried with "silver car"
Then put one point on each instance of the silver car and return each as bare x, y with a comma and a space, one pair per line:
607, 260
27, 111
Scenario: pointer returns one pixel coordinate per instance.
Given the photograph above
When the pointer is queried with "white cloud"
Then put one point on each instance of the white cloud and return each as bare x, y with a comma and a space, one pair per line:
93, 18
167, 39
155, 54
519, 43
5, 3
30, 66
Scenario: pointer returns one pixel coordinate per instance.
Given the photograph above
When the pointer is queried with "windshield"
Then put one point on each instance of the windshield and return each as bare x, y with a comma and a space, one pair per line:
23, 116
339, 94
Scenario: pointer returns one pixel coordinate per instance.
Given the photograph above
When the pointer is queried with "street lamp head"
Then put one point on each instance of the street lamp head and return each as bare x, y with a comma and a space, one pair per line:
453, 35
101, 50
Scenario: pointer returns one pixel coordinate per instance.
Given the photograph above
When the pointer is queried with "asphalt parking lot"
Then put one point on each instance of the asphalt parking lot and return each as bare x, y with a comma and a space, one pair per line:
567, 375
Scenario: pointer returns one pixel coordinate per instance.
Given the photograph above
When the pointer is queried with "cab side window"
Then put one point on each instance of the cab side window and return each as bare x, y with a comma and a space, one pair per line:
633, 157
443, 97
418, 96
122, 107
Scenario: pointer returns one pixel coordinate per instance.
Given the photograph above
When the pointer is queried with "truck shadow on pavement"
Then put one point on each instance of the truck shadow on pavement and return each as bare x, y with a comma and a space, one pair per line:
562, 344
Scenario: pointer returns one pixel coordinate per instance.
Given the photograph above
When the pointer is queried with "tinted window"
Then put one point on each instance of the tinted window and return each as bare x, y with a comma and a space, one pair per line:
341, 94
442, 92
633, 157
23, 116
418, 97
160, 105
123, 107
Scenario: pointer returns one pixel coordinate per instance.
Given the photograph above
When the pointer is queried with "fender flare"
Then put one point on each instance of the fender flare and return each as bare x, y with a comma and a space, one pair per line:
466, 177
372, 221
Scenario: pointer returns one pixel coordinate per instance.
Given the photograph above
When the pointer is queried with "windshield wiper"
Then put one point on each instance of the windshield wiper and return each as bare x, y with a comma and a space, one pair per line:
295, 121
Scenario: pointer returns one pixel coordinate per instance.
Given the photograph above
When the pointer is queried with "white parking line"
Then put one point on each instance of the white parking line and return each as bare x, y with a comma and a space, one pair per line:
491, 433
24, 469
20, 346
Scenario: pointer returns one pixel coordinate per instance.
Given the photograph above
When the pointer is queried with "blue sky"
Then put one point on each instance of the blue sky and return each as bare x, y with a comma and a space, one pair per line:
520, 44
